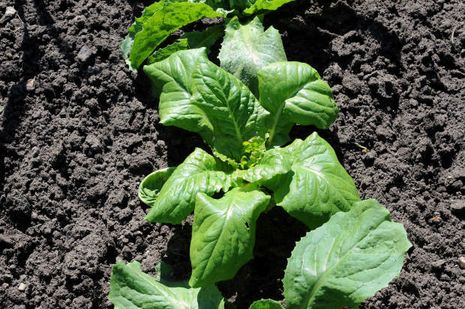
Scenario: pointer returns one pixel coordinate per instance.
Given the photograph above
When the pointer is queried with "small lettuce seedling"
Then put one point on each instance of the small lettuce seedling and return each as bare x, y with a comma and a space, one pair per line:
163, 18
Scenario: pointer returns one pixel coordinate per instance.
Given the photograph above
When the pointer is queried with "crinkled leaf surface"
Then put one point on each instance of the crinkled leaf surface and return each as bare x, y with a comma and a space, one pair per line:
199, 96
233, 112
223, 234
294, 93
274, 162
158, 22
152, 184
346, 260
198, 173
266, 304
173, 77
265, 5
316, 186
248, 48
130, 288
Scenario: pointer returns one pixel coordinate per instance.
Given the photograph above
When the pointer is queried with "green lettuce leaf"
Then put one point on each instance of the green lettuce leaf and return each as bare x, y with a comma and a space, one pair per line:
173, 77
176, 199
248, 48
157, 22
189, 40
130, 288
231, 110
261, 6
152, 184
165, 52
307, 180
200, 97
223, 234
266, 304
346, 260
295, 94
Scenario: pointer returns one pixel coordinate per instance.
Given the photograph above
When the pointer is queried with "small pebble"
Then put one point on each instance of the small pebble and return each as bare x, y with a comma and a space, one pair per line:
84, 54
22, 287
9, 12
458, 206
30, 84
462, 262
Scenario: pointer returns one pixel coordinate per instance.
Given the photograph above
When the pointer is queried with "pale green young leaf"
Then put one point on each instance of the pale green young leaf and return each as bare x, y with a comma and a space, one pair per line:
266, 304
316, 186
294, 93
130, 288
223, 234
346, 260
176, 199
152, 184
158, 22
248, 48
261, 6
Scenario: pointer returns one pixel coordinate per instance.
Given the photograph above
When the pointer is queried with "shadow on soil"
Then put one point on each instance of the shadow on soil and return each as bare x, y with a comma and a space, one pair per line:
261, 277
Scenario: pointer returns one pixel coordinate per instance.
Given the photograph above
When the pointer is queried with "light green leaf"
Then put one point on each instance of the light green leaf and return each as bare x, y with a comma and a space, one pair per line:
346, 260
158, 22
198, 173
223, 234
200, 97
295, 94
173, 76
316, 186
266, 304
265, 5
152, 184
130, 288
231, 110
248, 48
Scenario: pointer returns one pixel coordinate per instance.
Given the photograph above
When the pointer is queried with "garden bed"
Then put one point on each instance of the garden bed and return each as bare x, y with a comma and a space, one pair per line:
79, 131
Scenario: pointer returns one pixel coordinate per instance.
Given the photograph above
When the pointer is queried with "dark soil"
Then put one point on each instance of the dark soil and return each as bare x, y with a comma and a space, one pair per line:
79, 131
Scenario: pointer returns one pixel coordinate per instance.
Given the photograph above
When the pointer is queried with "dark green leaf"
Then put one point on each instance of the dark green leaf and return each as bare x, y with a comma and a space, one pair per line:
158, 22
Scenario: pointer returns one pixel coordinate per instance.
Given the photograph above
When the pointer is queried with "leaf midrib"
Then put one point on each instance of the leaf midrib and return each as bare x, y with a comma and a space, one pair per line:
310, 297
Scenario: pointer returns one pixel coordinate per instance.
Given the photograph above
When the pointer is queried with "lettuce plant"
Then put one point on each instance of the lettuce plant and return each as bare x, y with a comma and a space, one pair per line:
245, 110
163, 18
